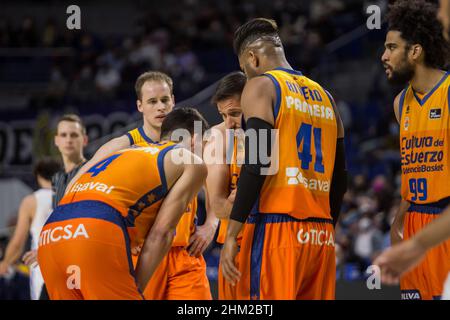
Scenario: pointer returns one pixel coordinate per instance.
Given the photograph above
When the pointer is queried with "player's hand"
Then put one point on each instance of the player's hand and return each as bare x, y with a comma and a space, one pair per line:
30, 258
201, 239
4, 267
398, 259
227, 261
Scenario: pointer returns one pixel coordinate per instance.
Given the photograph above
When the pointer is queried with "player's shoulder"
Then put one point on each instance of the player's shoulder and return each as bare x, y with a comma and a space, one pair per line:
399, 98
178, 160
259, 82
29, 202
398, 101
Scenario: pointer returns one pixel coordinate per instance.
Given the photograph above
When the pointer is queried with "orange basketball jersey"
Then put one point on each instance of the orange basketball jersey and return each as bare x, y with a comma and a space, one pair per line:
186, 225
237, 159
117, 181
307, 133
424, 143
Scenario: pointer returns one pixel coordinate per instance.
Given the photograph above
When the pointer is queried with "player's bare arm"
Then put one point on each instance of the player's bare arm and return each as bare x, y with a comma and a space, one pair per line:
111, 146
204, 234
256, 101
397, 225
17, 244
217, 182
397, 107
186, 181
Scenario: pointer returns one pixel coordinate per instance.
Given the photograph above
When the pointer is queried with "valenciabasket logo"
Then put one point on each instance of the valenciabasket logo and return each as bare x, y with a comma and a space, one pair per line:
435, 113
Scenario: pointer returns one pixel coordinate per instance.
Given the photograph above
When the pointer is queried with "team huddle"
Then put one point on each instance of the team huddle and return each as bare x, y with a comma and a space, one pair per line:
126, 225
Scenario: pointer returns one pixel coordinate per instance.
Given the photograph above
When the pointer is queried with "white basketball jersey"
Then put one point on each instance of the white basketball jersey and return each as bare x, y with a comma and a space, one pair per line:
446, 294
43, 210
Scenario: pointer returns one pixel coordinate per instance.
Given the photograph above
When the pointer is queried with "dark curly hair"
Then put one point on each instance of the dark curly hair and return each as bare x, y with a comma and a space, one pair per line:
418, 24
255, 29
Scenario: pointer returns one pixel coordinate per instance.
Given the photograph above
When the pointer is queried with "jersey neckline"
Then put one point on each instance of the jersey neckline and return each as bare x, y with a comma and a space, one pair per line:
430, 93
146, 138
291, 71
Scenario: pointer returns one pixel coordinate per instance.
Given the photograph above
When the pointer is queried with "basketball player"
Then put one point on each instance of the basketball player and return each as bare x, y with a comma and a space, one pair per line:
85, 246
181, 275
402, 257
33, 212
155, 100
287, 249
416, 52
222, 177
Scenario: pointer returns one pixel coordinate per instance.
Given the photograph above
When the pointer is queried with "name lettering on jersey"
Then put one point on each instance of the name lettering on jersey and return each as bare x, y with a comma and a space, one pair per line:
314, 110
422, 154
316, 237
306, 92
295, 177
80, 187
151, 150
140, 148
435, 114
59, 233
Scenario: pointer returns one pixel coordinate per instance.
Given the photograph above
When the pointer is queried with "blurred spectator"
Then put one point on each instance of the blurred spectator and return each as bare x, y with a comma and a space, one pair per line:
368, 242
107, 79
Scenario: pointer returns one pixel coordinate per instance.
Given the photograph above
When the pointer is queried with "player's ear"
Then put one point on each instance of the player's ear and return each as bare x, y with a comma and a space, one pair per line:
197, 142
55, 139
85, 140
139, 105
416, 51
193, 139
254, 61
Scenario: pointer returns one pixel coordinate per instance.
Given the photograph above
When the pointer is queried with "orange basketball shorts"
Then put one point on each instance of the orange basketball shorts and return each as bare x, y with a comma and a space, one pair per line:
426, 281
285, 258
84, 253
179, 276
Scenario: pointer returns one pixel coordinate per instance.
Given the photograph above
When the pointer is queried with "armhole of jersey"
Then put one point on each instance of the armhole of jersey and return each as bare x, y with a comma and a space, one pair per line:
130, 137
330, 97
448, 103
335, 110
162, 174
332, 102
400, 104
276, 107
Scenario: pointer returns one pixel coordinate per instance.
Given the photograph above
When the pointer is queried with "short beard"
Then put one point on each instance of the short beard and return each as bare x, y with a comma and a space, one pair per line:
403, 75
